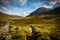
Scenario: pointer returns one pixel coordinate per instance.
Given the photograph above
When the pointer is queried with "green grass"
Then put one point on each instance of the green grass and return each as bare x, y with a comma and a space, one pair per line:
45, 30
45, 26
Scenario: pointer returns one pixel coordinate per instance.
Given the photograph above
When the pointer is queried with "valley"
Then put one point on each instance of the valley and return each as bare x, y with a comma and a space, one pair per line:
37, 26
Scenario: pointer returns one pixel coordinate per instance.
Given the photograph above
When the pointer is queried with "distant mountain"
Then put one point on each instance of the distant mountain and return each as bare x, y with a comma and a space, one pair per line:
44, 15
56, 10
42, 11
39, 11
7, 17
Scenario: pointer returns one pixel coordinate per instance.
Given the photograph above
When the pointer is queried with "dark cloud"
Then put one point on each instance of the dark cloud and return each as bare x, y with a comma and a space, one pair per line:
52, 2
5, 4
4, 9
57, 5
11, 2
22, 2
47, 0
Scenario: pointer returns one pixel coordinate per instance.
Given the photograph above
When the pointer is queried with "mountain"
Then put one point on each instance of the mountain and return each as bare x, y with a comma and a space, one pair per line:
43, 16
7, 17
38, 18
39, 11
43, 11
56, 10
4, 18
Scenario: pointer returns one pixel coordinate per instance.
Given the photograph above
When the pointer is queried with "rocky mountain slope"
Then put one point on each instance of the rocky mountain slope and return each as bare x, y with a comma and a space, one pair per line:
40, 11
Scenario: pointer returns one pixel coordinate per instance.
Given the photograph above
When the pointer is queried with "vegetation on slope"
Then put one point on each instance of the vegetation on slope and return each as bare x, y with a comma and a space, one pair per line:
37, 27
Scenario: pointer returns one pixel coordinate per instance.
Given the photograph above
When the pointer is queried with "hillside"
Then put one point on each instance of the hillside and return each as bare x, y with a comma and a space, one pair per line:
4, 18
8, 17
39, 26
40, 11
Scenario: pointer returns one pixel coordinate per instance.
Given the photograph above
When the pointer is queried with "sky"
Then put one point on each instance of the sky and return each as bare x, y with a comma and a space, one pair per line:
25, 7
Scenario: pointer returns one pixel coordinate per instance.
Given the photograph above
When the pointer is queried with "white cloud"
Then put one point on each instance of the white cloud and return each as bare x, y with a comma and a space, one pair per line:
11, 2
37, 5
24, 14
4, 9
16, 11
53, 2
23, 2
47, 6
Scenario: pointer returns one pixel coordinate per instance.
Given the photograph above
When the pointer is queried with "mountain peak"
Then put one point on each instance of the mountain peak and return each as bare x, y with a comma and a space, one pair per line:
42, 8
40, 11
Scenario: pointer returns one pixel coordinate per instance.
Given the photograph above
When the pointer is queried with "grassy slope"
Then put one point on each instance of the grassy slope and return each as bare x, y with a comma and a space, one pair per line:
6, 17
43, 19
44, 24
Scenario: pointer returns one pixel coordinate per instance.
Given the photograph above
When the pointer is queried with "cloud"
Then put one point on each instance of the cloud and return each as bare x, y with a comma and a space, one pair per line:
23, 1
37, 5
15, 11
4, 2
4, 9
53, 2
46, 0
46, 6
12, 2
47, 3
24, 14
